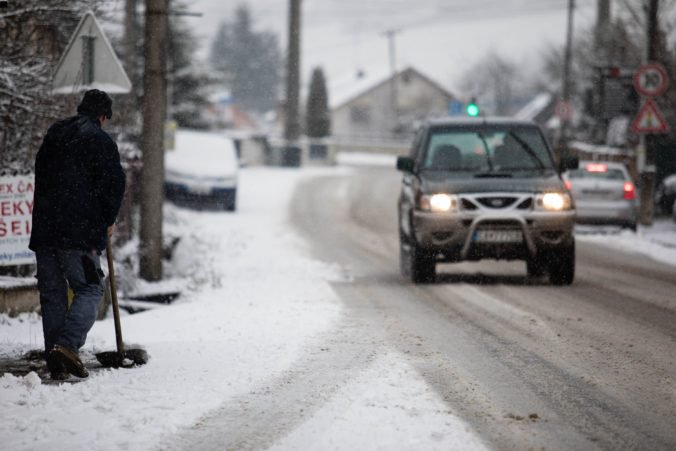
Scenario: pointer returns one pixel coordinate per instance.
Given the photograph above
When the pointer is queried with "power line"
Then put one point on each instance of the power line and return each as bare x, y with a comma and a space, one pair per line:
479, 12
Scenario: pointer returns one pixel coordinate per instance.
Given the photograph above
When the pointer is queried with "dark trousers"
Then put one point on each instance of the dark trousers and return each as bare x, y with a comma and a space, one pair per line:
57, 270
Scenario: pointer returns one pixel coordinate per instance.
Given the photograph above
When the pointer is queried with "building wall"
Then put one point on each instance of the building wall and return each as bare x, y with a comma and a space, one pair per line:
370, 117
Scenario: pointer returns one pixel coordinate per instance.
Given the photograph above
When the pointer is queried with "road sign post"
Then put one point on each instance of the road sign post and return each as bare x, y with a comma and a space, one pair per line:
89, 62
650, 80
649, 119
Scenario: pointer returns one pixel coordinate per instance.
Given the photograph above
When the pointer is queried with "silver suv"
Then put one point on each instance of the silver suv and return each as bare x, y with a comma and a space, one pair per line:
485, 189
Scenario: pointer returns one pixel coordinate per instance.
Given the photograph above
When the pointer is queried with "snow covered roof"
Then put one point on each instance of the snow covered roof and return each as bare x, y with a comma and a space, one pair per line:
343, 90
222, 97
534, 107
593, 148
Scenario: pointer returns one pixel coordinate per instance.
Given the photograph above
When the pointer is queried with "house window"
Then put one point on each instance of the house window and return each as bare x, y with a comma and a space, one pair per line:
360, 114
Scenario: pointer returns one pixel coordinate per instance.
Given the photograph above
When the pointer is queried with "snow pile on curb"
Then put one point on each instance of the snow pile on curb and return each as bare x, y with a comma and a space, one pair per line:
657, 241
261, 300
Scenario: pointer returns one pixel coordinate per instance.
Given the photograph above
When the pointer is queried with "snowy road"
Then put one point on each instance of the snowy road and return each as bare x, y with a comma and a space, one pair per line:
296, 332
525, 365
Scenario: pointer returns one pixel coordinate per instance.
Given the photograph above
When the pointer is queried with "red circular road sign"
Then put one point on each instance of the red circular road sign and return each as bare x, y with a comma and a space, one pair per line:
651, 79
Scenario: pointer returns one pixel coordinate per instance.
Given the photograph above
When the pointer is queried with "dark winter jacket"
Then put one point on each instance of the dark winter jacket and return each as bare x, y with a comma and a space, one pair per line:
79, 185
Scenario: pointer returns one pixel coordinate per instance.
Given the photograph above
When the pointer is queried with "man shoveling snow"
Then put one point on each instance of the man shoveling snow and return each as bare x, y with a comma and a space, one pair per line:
79, 185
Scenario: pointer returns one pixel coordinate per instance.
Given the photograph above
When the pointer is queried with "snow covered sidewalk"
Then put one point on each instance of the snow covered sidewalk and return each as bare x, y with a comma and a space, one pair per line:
260, 301
657, 241
255, 302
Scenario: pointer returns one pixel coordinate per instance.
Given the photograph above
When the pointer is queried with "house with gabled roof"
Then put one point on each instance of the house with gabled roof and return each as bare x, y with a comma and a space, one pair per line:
363, 107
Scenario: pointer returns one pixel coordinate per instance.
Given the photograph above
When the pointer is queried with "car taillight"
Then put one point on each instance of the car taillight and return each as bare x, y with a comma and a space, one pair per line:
569, 186
597, 167
629, 191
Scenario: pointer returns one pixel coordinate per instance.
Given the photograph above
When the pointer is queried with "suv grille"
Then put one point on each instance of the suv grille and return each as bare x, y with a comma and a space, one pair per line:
468, 204
500, 223
496, 202
525, 204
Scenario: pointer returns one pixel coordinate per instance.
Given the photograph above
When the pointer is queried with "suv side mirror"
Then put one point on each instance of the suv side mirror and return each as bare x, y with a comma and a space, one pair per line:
405, 164
569, 163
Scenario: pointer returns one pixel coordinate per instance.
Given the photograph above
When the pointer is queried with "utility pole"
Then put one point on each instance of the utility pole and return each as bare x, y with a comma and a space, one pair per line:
601, 30
292, 127
154, 114
131, 32
647, 145
130, 35
394, 95
565, 88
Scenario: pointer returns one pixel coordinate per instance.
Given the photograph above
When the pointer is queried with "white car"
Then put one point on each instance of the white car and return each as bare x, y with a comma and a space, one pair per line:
202, 170
604, 193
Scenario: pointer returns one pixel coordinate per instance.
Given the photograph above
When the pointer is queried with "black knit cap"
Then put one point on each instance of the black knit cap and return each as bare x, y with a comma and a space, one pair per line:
96, 103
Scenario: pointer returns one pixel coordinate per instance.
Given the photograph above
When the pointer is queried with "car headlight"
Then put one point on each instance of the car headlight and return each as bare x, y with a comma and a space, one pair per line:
438, 203
553, 201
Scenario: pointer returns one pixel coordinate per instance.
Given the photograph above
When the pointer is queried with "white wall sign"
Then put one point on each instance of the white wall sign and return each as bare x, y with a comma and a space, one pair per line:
16, 209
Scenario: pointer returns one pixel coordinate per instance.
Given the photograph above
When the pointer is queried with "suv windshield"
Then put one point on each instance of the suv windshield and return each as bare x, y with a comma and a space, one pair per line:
487, 150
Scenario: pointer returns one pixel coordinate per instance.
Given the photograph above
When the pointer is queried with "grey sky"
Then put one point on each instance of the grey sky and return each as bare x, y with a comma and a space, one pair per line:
439, 37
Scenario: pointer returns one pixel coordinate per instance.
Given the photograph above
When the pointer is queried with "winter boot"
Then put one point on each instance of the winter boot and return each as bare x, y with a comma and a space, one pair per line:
70, 361
56, 369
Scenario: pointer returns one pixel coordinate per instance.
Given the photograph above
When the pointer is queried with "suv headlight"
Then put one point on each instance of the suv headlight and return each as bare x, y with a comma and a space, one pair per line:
553, 201
438, 203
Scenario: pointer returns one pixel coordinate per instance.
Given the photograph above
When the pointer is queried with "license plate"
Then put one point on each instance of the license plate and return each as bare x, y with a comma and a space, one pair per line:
597, 194
200, 189
498, 236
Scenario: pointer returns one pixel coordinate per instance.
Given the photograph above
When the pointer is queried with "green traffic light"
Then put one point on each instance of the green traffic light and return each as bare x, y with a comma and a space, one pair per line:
472, 109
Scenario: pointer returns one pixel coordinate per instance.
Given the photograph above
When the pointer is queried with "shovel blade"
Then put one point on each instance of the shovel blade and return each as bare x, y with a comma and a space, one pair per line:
130, 358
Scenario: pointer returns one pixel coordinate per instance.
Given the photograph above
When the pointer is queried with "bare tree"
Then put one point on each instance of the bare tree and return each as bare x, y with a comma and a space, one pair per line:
33, 35
493, 77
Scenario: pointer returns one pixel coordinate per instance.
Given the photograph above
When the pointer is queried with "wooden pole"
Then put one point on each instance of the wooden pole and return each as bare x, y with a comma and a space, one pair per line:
154, 114
292, 129
647, 154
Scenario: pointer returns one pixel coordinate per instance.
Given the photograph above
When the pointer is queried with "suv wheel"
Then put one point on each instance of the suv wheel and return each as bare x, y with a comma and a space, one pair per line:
562, 266
536, 266
423, 266
415, 263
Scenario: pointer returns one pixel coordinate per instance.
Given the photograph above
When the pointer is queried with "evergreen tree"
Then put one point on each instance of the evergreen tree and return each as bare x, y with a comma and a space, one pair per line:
249, 61
187, 81
318, 122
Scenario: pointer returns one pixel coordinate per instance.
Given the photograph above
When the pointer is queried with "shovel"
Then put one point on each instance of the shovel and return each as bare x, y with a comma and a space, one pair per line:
120, 358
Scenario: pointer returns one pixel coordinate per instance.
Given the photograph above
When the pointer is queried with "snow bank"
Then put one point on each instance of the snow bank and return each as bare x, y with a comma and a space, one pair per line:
366, 159
657, 241
260, 299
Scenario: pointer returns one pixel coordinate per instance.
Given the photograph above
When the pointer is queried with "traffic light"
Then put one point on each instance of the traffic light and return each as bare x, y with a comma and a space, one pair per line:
472, 109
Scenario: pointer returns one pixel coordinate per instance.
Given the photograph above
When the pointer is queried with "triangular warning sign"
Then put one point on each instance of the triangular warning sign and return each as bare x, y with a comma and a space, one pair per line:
649, 119
89, 62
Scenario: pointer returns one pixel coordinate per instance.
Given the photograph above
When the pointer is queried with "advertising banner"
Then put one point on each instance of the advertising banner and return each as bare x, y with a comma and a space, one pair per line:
16, 208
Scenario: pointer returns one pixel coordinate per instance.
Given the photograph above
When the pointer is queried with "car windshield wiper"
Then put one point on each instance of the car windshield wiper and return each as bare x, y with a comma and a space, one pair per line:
491, 174
433, 169
529, 168
489, 160
525, 146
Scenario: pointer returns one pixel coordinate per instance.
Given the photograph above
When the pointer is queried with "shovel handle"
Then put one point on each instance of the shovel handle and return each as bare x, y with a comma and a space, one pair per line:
113, 297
